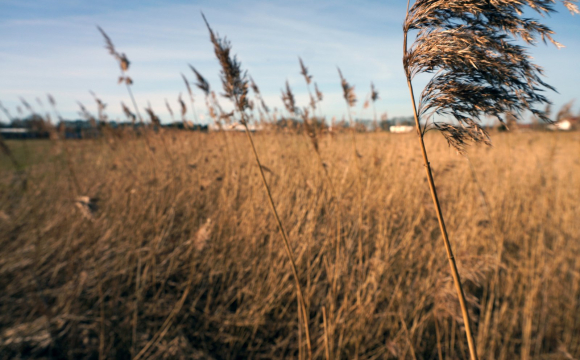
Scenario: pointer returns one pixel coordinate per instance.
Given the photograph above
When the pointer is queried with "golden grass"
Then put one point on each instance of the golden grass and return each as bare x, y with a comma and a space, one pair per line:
181, 257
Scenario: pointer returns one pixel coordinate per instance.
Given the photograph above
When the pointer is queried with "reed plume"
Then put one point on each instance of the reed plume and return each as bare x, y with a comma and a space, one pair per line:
478, 71
183, 108
235, 85
319, 94
204, 86
374, 98
259, 97
130, 116
100, 108
123, 65
347, 91
201, 83
170, 110
289, 100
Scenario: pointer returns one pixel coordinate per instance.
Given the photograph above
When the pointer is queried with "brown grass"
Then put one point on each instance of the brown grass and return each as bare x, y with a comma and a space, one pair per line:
151, 275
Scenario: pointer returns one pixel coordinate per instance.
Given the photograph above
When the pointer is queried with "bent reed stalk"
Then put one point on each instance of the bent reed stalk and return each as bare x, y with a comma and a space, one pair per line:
235, 84
478, 71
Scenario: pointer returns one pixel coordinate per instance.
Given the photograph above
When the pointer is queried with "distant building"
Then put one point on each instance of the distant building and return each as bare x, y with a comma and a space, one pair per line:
399, 129
566, 124
22, 133
236, 127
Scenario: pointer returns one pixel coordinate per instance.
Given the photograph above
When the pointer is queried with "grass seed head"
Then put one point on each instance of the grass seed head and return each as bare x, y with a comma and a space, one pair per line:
479, 68
128, 113
288, 99
120, 57
234, 80
319, 94
183, 106
188, 87
374, 93
348, 91
152, 116
201, 82
304, 72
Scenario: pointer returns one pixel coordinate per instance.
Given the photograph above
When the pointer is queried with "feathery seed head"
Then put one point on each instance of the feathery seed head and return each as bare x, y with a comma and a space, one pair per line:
201, 81
121, 58
182, 104
319, 94
188, 87
374, 93
234, 80
288, 99
258, 95
478, 68
348, 91
254, 87
152, 116
310, 130
128, 113
304, 72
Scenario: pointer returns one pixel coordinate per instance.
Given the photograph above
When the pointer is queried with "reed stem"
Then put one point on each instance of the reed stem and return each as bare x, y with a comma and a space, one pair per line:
282, 232
442, 227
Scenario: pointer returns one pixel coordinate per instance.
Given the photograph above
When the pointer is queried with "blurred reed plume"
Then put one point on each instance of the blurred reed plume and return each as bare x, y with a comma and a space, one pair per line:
124, 66
201, 83
153, 118
289, 100
170, 110
478, 70
120, 57
235, 84
234, 80
183, 108
100, 108
130, 116
319, 94
304, 72
347, 90
308, 79
259, 97
374, 98
374, 93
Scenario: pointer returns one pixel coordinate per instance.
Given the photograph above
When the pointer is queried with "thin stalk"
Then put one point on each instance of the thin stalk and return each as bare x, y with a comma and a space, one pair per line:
442, 227
325, 324
360, 189
134, 102
281, 229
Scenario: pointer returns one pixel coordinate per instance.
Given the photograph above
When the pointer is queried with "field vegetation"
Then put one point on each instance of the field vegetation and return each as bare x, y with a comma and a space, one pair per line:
172, 252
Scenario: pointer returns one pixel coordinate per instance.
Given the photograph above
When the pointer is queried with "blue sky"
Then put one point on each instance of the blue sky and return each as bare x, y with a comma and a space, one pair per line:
53, 46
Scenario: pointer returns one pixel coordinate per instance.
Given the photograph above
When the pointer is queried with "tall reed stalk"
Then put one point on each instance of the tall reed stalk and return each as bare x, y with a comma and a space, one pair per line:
350, 100
478, 72
235, 85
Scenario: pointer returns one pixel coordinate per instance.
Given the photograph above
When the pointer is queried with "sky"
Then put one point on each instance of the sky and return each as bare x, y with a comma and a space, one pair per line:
54, 47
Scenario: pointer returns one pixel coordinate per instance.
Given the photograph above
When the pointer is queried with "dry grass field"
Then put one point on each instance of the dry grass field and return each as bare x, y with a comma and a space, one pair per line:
178, 255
